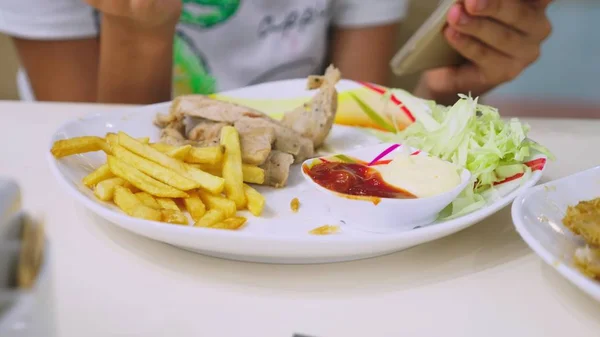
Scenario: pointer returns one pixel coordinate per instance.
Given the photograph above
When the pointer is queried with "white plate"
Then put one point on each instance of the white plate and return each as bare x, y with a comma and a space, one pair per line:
538, 215
279, 236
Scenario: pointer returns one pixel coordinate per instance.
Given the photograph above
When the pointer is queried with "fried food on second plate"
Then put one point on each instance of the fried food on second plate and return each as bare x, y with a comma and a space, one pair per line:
588, 260
584, 219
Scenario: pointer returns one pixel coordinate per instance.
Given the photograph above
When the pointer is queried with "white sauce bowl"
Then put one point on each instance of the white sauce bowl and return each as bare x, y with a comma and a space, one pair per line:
384, 214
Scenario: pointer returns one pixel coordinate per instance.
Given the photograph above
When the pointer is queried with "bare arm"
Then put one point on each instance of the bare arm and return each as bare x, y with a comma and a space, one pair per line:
128, 65
61, 70
363, 54
135, 64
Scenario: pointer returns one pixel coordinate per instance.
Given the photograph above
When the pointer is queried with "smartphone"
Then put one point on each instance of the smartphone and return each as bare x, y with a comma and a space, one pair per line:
427, 48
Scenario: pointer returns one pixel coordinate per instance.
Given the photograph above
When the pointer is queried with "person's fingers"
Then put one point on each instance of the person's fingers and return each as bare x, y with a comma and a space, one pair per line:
493, 33
526, 16
494, 66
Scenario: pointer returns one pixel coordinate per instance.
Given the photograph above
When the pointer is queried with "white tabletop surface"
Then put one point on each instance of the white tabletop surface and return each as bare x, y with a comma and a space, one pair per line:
483, 281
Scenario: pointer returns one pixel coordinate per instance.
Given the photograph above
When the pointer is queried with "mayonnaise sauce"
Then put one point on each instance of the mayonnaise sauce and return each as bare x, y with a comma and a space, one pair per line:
421, 175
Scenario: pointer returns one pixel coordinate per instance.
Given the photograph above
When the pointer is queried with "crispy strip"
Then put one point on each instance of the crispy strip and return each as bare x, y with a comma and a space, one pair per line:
99, 174
194, 206
256, 202
167, 203
232, 223
67, 147
252, 174
148, 200
154, 170
105, 190
232, 166
131, 205
218, 202
211, 217
180, 152
142, 181
206, 181
174, 217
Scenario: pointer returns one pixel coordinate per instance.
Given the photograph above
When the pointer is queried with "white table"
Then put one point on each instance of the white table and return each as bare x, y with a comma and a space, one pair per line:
483, 281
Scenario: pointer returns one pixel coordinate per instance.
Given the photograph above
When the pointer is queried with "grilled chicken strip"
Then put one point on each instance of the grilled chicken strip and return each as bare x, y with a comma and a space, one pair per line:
277, 168
256, 144
243, 118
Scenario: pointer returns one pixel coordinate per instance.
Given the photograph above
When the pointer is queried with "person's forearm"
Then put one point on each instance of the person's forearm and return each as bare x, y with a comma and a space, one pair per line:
135, 63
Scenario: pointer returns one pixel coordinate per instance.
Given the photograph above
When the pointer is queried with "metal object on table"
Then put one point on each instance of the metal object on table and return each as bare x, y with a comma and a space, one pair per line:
25, 291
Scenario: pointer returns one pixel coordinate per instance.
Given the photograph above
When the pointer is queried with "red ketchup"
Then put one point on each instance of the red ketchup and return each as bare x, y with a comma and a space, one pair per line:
354, 179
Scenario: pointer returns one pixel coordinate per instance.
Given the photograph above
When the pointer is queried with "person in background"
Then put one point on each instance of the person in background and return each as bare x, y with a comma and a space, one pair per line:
145, 51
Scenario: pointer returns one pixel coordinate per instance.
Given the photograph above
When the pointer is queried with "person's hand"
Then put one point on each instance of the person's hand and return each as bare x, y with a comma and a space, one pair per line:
499, 38
143, 13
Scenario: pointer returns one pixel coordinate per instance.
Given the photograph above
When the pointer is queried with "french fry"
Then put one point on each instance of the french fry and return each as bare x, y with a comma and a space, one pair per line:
253, 174
99, 174
256, 202
148, 200
211, 217
162, 147
215, 170
232, 223
179, 153
232, 166
131, 205
325, 230
67, 147
142, 181
194, 206
166, 203
105, 190
206, 181
113, 138
173, 216
226, 206
154, 170
205, 155
197, 155
146, 151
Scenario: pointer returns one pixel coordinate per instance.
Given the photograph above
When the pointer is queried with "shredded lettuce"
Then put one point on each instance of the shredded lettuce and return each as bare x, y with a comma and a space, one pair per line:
472, 136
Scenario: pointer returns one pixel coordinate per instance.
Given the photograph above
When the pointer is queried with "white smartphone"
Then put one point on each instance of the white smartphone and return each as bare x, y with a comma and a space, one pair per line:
427, 48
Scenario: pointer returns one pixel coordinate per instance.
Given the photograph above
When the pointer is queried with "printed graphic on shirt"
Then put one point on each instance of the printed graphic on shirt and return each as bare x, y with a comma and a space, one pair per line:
208, 13
296, 19
191, 73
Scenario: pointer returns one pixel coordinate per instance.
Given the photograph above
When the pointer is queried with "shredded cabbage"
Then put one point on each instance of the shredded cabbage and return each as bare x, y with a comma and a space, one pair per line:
472, 136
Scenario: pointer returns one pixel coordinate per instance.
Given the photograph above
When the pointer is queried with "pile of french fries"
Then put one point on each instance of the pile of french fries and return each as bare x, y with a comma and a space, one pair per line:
159, 181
